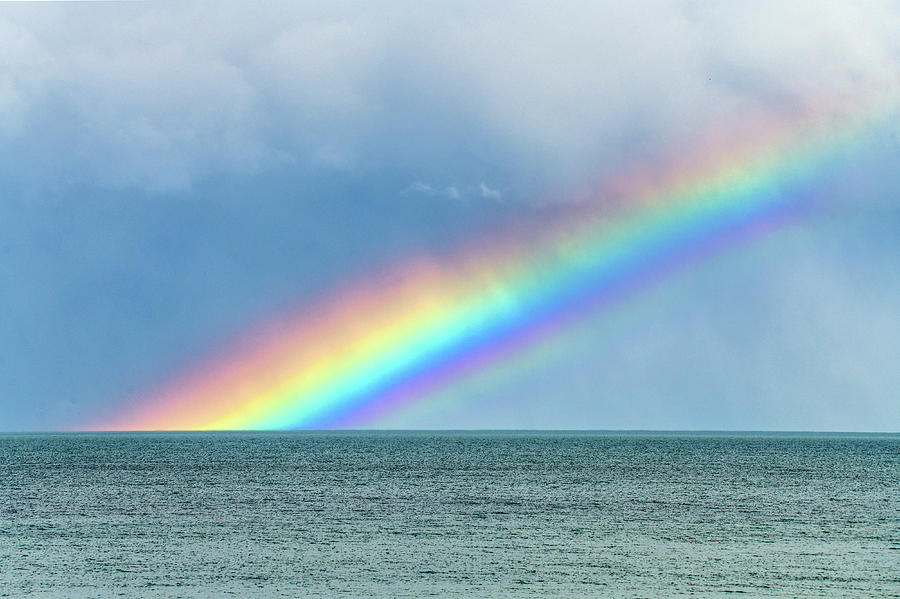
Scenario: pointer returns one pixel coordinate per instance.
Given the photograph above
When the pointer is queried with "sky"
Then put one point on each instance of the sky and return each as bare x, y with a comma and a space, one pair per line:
175, 175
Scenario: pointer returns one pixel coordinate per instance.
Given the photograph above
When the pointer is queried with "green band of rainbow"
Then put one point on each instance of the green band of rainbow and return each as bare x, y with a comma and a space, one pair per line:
393, 339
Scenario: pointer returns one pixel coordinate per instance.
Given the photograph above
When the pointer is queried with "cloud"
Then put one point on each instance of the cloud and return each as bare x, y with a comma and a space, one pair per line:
487, 192
453, 192
426, 189
141, 96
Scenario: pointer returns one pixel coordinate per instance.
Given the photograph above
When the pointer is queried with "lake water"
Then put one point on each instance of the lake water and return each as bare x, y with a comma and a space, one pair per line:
449, 514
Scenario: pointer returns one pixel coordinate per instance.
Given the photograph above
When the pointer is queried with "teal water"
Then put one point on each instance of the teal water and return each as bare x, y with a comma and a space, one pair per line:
449, 514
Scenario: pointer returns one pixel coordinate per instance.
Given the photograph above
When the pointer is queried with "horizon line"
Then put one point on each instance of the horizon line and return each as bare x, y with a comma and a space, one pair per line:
457, 430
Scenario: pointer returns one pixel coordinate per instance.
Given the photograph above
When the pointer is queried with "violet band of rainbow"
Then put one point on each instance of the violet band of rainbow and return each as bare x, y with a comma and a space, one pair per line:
394, 339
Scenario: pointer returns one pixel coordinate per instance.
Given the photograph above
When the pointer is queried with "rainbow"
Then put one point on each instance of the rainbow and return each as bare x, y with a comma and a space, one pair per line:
395, 337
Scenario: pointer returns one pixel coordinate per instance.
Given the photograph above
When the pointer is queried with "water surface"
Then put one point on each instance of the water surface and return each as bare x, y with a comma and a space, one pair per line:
482, 514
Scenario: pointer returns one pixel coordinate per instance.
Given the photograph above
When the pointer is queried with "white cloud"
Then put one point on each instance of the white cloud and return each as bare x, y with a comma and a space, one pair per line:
487, 192
450, 191
160, 97
421, 188
453, 192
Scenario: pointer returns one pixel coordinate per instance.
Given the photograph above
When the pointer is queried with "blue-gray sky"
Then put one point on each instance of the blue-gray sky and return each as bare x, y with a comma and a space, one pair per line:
172, 173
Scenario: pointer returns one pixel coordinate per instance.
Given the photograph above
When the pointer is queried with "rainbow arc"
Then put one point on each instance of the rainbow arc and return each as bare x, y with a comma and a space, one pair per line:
392, 339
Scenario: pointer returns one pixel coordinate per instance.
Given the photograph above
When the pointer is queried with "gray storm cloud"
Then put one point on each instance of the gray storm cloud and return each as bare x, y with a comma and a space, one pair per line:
154, 98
